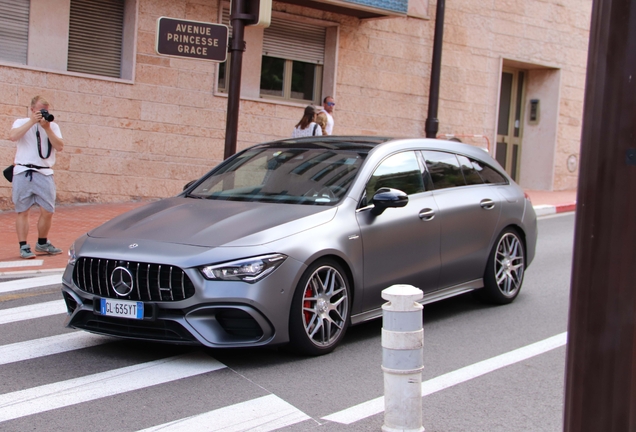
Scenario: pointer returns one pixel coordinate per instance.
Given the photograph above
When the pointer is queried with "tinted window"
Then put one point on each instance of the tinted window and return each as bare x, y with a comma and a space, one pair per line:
400, 171
444, 169
488, 174
471, 175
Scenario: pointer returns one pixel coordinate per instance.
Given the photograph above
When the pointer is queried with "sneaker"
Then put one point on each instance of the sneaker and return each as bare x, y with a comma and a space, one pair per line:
47, 248
25, 252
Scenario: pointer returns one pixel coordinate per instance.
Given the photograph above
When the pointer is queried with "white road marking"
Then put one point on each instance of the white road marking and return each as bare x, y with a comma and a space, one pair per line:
26, 283
35, 348
32, 311
65, 393
263, 414
376, 406
267, 413
23, 263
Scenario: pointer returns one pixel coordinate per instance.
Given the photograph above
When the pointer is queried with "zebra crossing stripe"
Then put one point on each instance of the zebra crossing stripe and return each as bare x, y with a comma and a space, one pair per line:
376, 406
65, 393
267, 413
48, 346
26, 283
38, 310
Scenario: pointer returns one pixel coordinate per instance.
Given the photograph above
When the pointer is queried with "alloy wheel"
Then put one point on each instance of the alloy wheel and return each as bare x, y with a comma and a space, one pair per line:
325, 306
509, 264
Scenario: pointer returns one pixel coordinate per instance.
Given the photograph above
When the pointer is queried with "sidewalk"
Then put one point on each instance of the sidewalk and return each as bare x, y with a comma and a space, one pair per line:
71, 221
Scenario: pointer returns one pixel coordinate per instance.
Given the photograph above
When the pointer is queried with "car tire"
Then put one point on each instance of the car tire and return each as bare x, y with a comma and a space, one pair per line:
505, 269
320, 310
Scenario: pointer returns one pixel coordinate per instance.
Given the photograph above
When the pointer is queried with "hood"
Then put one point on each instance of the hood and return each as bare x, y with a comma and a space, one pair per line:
213, 223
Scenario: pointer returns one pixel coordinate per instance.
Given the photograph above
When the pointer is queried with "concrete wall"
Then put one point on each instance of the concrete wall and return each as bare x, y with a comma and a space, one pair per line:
144, 138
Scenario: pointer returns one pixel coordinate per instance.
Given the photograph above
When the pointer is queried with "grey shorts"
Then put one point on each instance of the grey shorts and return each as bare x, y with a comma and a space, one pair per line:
31, 188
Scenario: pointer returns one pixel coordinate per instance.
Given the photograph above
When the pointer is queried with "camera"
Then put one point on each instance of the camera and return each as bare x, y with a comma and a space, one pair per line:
47, 116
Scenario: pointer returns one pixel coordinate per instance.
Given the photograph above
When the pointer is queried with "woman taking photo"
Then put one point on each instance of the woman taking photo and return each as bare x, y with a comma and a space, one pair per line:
306, 125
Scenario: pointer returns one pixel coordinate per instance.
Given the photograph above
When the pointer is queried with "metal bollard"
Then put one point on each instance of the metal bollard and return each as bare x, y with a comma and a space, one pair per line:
402, 358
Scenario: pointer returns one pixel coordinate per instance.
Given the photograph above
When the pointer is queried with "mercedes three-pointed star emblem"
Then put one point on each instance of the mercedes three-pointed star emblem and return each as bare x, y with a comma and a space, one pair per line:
122, 281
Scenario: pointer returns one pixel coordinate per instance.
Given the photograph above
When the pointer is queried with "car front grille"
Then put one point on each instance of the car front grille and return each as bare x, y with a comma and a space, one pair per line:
150, 282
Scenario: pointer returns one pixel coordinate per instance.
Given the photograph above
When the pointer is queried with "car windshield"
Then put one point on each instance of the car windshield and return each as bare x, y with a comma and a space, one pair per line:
312, 176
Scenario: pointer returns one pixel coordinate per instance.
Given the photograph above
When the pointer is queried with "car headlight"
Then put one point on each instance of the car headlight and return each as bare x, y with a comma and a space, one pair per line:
247, 270
71, 254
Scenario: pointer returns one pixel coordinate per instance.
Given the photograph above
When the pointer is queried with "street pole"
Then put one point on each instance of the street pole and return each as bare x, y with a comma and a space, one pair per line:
237, 47
600, 385
432, 122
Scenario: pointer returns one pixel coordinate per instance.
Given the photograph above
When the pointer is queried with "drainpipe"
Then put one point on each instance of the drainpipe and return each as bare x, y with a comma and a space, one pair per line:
432, 123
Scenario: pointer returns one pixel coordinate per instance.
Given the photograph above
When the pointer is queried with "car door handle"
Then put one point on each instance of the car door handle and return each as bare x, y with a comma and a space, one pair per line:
427, 214
487, 204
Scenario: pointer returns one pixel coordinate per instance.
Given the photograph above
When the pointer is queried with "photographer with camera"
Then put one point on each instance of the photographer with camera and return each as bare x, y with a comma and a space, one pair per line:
37, 138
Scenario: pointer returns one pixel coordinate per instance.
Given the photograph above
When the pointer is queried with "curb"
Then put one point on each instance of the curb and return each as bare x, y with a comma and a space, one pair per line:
545, 210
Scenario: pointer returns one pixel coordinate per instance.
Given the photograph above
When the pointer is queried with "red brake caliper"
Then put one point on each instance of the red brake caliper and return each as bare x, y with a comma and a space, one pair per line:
307, 304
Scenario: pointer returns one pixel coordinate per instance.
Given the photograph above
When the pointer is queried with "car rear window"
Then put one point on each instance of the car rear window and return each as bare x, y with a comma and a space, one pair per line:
487, 173
470, 172
444, 169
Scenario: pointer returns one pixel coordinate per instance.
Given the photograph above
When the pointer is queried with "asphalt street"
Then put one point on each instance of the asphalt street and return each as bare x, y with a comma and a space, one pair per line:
486, 368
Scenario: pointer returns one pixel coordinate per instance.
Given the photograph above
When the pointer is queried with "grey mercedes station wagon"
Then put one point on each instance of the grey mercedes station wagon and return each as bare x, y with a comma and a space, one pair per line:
292, 241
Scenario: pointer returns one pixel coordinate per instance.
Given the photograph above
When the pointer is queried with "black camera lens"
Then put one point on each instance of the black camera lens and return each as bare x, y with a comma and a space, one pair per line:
47, 116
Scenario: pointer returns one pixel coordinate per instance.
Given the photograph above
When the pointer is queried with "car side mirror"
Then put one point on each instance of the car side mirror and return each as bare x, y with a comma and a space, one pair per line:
386, 198
190, 183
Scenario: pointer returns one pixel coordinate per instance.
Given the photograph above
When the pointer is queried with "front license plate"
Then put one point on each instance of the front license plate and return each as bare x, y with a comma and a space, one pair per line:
122, 308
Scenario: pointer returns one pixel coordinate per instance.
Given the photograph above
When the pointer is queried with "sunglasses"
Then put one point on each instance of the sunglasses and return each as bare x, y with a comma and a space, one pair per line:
331, 103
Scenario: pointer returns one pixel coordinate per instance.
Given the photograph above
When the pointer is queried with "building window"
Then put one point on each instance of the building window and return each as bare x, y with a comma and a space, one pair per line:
297, 60
290, 79
293, 55
272, 76
80, 36
95, 37
14, 30
225, 66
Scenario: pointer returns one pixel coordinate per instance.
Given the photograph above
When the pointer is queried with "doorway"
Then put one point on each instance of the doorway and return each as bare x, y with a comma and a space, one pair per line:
509, 130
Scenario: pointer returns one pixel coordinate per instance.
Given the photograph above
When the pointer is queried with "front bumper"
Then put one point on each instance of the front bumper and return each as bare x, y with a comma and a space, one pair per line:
218, 315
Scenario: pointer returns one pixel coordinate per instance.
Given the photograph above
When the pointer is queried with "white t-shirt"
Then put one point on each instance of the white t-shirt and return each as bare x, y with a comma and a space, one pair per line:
27, 151
308, 131
330, 122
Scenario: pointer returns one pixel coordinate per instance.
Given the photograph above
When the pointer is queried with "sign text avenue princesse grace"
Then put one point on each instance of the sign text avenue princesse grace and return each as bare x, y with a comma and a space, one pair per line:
182, 38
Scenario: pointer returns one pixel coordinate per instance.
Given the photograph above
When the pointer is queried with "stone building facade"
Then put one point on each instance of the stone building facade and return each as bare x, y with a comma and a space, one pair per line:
512, 81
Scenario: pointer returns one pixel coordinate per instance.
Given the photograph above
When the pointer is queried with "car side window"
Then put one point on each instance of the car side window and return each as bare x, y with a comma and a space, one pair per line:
444, 169
471, 175
400, 171
488, 174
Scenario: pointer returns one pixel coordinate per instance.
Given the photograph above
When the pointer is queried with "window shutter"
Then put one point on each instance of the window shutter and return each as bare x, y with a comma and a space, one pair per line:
95, 37
14, 30
225, 19
294, 41
290, 40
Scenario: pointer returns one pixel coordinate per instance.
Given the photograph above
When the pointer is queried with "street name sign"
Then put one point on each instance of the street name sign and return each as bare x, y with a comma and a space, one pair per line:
192, 39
